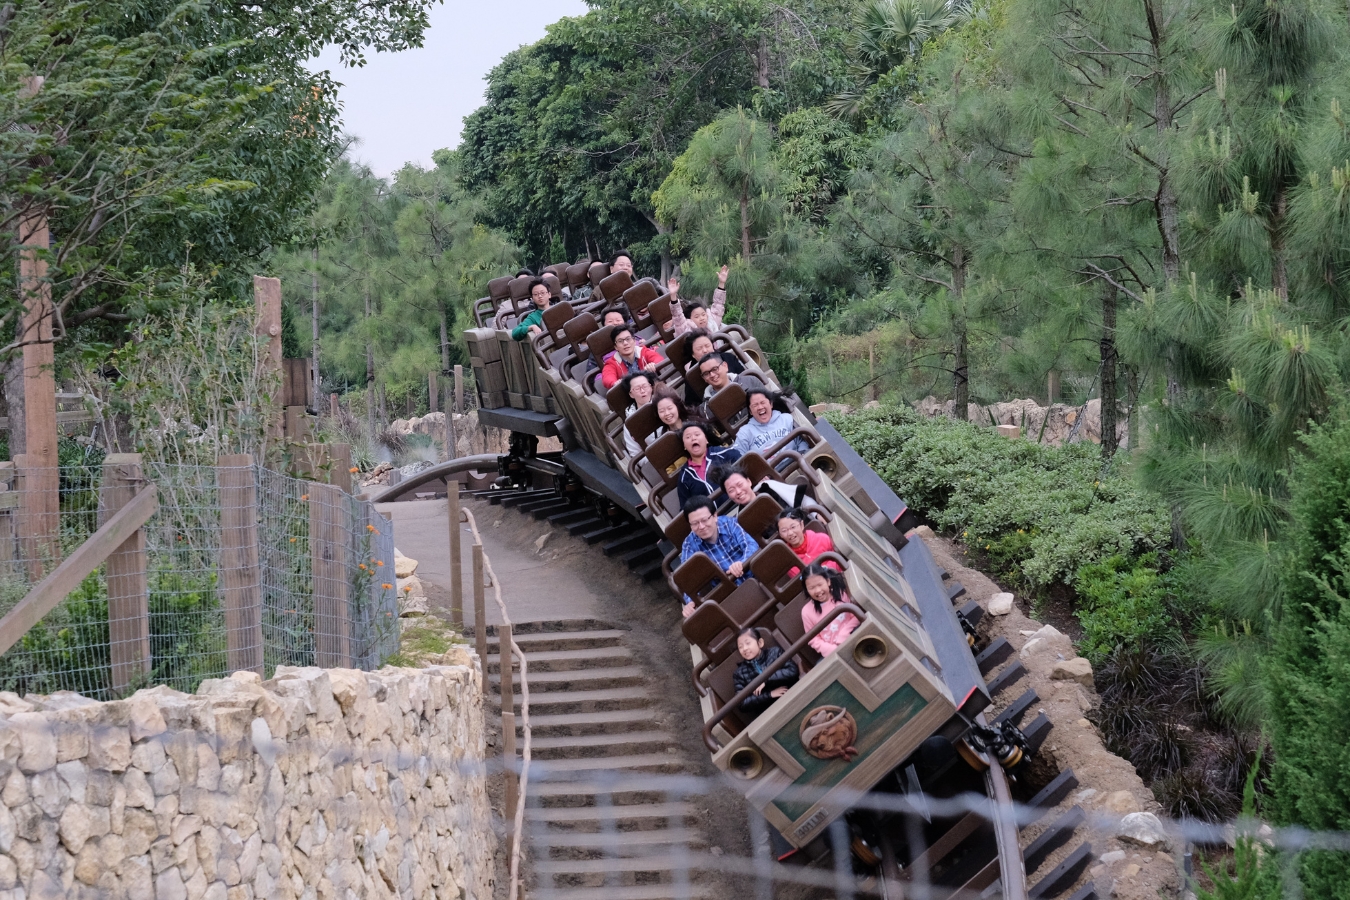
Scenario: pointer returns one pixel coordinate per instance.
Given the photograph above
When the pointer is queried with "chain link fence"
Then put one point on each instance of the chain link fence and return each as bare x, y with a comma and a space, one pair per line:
240, 567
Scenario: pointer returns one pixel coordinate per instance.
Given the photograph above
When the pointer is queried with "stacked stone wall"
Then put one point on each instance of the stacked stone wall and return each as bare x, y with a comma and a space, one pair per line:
317, 784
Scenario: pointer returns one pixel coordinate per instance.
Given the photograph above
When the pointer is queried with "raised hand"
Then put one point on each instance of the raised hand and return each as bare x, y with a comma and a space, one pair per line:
673, 285
722, 277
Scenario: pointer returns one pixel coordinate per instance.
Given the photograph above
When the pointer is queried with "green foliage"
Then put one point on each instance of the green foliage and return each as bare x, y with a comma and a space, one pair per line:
1122, 602
1307, 671
1255, 873
1052, 509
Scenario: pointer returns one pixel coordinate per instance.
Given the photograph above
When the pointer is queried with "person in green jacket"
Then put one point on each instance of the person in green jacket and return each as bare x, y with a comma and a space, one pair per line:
533, 322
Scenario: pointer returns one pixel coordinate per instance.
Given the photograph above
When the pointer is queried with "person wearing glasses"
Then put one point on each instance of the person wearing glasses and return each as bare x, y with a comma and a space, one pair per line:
533, 322
628, 357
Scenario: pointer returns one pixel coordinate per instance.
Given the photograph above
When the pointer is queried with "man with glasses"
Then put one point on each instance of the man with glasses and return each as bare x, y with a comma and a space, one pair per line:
721, 537
713, 368
628, 357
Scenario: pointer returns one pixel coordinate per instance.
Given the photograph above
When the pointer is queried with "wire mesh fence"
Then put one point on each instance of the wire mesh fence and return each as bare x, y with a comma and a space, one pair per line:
239, 567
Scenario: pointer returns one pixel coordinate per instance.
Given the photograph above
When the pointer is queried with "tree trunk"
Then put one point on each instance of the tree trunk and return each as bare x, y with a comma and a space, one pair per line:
370, 371
961, 340
1165, 201
762, 62
1279, 265
445, 340
1108, 355
314, 315
1132, 397
745, 252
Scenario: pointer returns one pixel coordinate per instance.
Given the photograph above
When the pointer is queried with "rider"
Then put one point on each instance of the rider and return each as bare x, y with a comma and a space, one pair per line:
700, 316
533, 321
720, 537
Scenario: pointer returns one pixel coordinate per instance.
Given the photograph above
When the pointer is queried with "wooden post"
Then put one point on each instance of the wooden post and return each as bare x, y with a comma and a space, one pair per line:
267, 298
340, 462
128, 589
433, 392
508, 686
9, 531
480, 614
333, 405
1052, 387
40, 523
456, 581
328, 564
240, 575
459, 390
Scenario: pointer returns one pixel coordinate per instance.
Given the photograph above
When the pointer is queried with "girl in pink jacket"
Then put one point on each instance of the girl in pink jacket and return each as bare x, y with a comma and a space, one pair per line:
700, 316
825, 587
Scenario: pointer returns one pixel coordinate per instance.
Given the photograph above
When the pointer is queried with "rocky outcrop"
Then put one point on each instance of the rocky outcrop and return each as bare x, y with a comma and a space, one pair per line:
317, 783
1031, 417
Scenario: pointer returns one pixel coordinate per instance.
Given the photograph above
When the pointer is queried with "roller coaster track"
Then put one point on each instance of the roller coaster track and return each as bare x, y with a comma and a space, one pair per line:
983, 853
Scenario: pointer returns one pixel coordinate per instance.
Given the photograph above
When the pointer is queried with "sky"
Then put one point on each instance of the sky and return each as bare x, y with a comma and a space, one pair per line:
404, 106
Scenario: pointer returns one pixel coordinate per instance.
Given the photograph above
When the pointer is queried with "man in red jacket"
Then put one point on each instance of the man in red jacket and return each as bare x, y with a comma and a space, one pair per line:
628, 357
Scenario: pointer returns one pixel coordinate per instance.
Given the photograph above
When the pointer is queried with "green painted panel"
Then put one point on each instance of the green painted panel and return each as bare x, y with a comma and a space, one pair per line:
874, 728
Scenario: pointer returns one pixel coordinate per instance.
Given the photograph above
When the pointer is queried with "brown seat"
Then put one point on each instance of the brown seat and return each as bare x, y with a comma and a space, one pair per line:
643, 423
757, 468
600, 342
728, 407
614, 284
677, 351
638, 298
788, 622
652, 464
554, 285
596, 274
499, 289
557, 316
559, 271
661, 316
710, 629
759, 516
618, 399
675, 532
701, 579
578, 329
722, 683
750, 604
520, 291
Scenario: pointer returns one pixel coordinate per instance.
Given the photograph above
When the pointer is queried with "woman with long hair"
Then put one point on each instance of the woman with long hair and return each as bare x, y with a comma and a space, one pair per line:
827, 589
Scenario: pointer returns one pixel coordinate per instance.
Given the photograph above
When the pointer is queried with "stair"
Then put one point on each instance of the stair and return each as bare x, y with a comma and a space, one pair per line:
597, 821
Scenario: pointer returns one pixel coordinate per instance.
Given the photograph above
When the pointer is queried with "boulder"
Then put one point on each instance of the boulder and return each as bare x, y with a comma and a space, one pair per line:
1143, 829
413, 605
1048, 639
1076, 669
404, 566
1000, 604
924, 532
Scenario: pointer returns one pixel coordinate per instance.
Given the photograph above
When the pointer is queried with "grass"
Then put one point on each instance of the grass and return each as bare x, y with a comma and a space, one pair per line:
424, 642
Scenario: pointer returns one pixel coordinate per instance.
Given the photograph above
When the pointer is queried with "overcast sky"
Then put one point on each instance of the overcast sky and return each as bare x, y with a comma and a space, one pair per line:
405, 105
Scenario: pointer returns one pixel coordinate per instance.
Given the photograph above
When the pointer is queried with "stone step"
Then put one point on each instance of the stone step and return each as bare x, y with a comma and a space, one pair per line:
565, 702
560, 815
573, 794
561, 640
571, 747
636, 841
645, 761
574, 679
629, 892
571, 660
590, 723
666, 862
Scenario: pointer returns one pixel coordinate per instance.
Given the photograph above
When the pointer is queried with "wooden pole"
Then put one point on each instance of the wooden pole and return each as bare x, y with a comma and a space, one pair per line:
333, 405
480, 614
340, 470
240, 575
456, 581
41, 497
459, 390
433, 392
267, 299
328, 547
508, 688
128, 589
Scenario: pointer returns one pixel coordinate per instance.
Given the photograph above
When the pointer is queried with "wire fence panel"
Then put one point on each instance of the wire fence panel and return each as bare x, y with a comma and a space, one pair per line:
240, 568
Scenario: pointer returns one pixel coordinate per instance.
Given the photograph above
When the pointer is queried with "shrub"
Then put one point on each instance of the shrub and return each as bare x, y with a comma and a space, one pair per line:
1041, 512
1121, 603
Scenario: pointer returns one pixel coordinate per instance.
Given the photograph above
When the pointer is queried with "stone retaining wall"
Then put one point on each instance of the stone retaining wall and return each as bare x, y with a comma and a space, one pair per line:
321, 783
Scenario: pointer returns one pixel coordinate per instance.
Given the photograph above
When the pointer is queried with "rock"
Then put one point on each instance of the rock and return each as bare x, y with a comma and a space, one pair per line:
1112, 857
541, 541
37, 742
74, 828
1000, 604
413, 606
1121, 802
1084, 723
110, 748
924, 532
1076, 669
1045, 640
144, 719
1143, 829
1129, 871
169, 885
404, 566
410, 587
1085, 795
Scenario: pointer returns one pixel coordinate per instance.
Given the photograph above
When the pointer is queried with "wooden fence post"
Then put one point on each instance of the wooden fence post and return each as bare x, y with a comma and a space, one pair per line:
480, 614
328, 548
505, 661
128, 589
240, 575
9, 511
333, 405
267, 299
340, 458
433, 392
456, 579
39, 513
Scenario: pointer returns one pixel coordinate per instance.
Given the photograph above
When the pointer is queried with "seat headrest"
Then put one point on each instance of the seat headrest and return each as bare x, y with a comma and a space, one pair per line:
614, 284
520, 287
597, 272
554, 285
500, 288
578, 273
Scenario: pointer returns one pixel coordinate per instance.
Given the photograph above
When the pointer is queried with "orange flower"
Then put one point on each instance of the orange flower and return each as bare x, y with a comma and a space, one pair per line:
353, 470
292, 540
386, 585
379, 562
304, 496
363, 566
370, 528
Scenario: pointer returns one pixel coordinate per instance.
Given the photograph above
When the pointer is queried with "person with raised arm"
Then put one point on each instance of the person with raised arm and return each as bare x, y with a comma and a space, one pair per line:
700, 316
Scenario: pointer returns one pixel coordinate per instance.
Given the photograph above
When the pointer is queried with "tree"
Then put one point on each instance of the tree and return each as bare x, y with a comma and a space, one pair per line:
886, 35
1307, 672
724, 197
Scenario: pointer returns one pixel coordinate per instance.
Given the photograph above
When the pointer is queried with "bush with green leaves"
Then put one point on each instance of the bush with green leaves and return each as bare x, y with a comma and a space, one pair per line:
1123, 602
1040, 512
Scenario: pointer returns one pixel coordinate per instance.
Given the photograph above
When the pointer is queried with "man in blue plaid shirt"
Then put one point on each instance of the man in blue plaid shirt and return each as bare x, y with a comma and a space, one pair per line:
721, 537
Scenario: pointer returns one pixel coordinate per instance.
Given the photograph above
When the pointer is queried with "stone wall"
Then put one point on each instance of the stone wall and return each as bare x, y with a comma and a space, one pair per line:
317, 784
